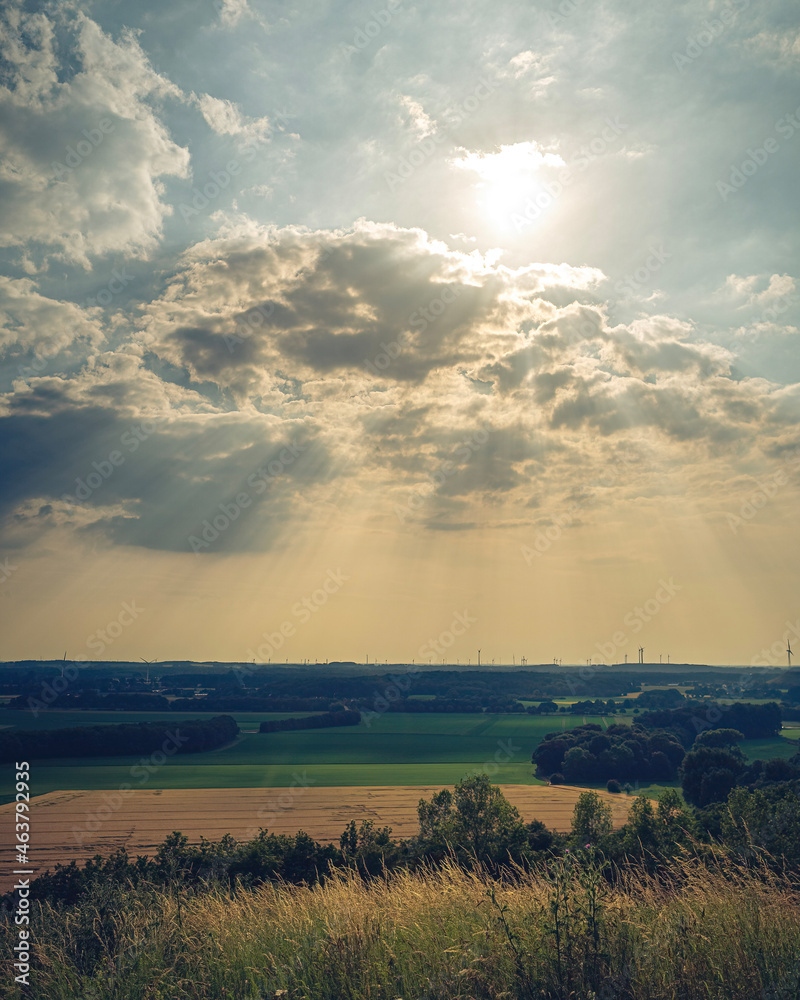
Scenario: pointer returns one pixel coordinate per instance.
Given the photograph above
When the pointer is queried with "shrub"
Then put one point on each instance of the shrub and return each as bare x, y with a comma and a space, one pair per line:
613, 785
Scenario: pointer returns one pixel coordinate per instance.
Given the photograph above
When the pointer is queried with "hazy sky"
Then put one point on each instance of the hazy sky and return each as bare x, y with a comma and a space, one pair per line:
357, 325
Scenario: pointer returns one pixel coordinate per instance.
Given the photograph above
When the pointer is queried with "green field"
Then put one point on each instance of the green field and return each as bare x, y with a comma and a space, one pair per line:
778, 746
12, 718
392, 749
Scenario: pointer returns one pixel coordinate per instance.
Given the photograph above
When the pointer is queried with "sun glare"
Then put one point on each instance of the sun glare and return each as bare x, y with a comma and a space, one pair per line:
509, 181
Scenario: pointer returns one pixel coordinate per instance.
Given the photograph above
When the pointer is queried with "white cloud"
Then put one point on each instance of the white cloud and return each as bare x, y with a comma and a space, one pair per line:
782, 47
758, 290
232, 11
83, 156
421, 124
225, 118
31, 320
512, 162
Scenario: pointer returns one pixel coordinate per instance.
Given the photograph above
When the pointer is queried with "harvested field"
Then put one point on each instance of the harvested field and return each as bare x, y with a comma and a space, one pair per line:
76, 825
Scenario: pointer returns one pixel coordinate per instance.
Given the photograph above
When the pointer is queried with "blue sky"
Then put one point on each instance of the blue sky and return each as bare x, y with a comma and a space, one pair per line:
486, 309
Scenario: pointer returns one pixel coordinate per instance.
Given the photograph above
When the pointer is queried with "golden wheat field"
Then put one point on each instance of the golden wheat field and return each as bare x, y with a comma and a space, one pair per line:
76, 825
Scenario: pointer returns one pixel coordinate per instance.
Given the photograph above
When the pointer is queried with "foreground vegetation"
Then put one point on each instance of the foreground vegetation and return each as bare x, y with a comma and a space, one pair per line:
710, 930
679, 903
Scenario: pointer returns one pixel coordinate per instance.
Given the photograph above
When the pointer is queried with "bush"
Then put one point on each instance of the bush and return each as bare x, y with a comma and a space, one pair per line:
557, 778
613, 785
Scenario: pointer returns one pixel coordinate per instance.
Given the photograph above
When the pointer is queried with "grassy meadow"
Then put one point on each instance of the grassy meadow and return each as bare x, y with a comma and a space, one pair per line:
716, 932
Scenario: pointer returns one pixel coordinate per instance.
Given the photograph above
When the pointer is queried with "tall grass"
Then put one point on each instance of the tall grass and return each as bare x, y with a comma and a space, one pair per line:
713, 930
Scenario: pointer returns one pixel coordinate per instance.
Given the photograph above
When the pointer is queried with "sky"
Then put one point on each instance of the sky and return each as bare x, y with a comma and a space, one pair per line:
398, 331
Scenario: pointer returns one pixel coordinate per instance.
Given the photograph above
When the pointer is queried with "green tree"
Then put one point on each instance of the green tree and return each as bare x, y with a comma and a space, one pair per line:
726, 738
673, 822
709, 773
475, 820
591, 819
368, 849
641, 830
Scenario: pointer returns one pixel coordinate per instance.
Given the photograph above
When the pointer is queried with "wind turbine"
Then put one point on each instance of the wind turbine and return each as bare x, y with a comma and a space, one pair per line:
789, 653
641, 654
148, 662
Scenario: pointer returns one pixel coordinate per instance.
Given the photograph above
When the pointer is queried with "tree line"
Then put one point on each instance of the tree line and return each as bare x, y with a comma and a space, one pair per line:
709, 762
342, 718
118, 740
754, 721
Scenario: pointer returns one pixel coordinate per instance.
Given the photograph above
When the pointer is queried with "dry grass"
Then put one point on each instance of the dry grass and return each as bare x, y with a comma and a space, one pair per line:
711, 932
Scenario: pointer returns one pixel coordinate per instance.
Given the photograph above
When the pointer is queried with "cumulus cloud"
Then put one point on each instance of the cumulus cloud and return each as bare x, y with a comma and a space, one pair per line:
82, 141
31, 320
439, 379
451, 389
758, 290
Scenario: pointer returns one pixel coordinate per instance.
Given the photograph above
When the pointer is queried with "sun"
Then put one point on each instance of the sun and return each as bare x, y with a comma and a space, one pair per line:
509, 180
